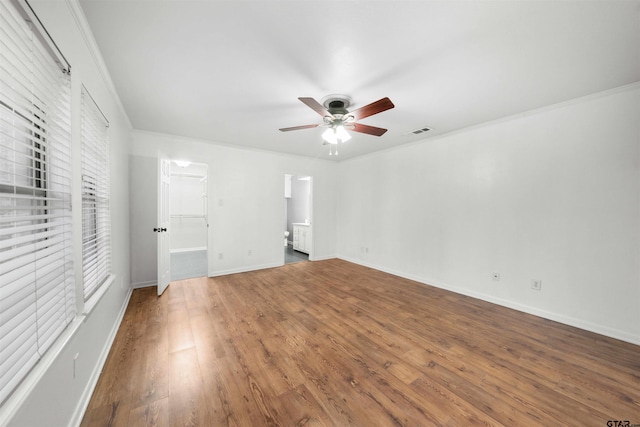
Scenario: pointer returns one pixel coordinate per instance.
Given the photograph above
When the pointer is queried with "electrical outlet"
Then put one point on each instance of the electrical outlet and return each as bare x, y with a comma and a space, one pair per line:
536, 284
75, 360
495, 276
249, 252
220, 255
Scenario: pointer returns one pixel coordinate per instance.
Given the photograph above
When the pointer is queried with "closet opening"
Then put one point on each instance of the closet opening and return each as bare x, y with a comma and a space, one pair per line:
189, 220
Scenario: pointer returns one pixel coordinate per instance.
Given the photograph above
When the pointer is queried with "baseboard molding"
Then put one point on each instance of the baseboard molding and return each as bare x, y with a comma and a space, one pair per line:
556, 317
321, 257
200, 248
138, 285
244, 269
95, 376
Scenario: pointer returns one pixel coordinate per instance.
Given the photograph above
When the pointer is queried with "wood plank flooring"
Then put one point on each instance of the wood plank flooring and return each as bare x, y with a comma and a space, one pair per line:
331, 343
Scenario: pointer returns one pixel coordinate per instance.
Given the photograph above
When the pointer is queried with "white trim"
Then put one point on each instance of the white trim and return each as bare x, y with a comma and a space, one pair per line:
322, 257
93, 300
81, 408
434, 137
245, 269
146, 284
201, 248
92, 46
134, 151
13, 404
556, 317
19, 396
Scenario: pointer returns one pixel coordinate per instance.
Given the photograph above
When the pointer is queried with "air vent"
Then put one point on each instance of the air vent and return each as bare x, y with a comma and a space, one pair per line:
419, 131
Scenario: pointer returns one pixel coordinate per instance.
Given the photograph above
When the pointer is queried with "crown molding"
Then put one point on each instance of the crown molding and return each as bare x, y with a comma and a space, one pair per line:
90, 41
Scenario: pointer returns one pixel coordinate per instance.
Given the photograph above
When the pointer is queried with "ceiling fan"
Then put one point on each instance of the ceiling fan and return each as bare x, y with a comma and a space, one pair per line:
337, 118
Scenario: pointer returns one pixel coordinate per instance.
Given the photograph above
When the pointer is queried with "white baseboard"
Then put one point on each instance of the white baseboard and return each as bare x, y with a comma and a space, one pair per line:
199, 248
321, 257
138, 285
244, 269
95, 375
556, 317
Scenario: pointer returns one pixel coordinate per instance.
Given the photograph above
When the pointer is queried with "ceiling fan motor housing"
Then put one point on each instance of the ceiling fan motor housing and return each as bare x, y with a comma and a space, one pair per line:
337, 104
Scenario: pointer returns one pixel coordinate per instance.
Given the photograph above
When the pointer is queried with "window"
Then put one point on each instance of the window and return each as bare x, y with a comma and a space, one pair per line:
37, 291
96, 229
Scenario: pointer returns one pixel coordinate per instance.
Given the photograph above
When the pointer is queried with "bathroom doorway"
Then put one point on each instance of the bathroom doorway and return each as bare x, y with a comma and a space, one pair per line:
298, 234
189, 220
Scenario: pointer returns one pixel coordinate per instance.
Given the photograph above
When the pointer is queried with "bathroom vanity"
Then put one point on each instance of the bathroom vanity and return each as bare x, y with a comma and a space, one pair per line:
302, 237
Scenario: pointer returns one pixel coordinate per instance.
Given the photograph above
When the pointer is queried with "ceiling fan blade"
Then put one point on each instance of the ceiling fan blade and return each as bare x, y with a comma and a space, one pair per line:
298, 127
315, 106
374, 108
371, 130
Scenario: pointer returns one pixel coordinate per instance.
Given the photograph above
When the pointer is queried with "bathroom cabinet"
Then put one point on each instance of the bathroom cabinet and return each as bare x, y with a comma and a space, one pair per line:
302, 237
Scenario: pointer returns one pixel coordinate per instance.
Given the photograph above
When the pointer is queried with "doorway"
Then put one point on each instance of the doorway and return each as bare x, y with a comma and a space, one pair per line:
189, 220
298, 235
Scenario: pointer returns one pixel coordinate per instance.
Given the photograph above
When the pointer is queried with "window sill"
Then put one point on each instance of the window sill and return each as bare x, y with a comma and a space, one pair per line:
13, 403
97, 296
21, 393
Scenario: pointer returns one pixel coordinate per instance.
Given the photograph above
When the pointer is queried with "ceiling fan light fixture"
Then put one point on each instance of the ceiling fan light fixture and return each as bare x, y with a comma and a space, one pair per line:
336, 134
342, 134
330, 136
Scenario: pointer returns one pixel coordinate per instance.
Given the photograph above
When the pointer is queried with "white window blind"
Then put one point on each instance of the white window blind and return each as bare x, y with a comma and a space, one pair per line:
96, 219
37, 291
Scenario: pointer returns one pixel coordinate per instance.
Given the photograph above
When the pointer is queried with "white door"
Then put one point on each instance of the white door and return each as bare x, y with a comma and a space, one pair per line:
164, 219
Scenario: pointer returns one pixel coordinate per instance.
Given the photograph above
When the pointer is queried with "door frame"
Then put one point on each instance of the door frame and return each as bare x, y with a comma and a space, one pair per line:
311, 221
163, 228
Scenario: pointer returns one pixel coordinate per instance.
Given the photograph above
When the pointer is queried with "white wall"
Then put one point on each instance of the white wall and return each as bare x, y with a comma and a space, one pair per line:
55, 397
550, 195
245, 194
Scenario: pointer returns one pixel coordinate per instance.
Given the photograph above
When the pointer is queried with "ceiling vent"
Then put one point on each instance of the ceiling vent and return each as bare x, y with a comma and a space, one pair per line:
421, 130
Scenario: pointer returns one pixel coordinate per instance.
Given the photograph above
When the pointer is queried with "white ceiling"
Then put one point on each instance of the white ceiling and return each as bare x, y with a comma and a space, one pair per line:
231, 71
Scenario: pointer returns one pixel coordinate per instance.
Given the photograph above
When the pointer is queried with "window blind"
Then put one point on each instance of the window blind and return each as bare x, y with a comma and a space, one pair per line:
37, 291
96, 219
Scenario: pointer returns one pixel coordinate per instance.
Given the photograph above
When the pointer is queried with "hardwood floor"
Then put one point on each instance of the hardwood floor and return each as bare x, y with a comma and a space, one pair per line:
331, 343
